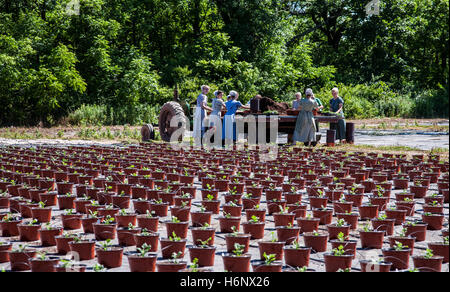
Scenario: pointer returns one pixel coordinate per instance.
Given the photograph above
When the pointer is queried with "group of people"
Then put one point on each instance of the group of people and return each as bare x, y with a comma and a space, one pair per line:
306, 126
305, 129
232, 105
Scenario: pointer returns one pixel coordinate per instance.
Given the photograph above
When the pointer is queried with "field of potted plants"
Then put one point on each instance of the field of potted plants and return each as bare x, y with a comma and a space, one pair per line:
152, 208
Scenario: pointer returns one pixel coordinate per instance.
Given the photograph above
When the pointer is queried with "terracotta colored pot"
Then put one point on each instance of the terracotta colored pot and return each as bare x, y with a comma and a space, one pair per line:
340, 207
250, 203
182, 213
29, 232
170, 267
371, 239
103, 232
308, 224
381, 202
356, 199
111, 258
121, 202
440, 249
334, 230
351, 219
428, 265
334, 263
297, 258
419, 191
71, 222
44, 266
419, 231
316, 202
201, 218
386, 225
66, 202
256, 230
84, 249
318, 243
349, 246
405, 241
141, 207
152, 240
242, 239
398, 258
180, 229
139, 264
160, 210
205, 255
434, 221
292, 198
212, 206
226, 224
398, 215
9, 228
20, 261
64, 188
80, 206
87, 224
5, 247
236, 264
200, 235
125, 236
261, 214
169, 247
325, 216
72, 269
62, 244
149, 223
407, 206
50, 199
234, 211
287, 234
283, 219
42, 215
269, 247
48, 236
367, 212
261, 267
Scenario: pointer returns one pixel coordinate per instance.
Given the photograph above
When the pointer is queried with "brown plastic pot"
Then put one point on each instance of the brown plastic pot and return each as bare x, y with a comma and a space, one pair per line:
201, 218
182, 213
5, 247
235, 264
433, 264
349, 246
200, 235
84, 249
125, 236
386, 225
48, 236
205, 255
405, 241
325, 216
149, 223
287, 234
371, 239
335, 263
87, 223
334, 230
72, 269
62, 244
42, 215
270, 247
308, 224
71, 222
139, 264
398, 258
260, 213
297, 257
152, 240
121, 202
110, 258
367, 212
29, 232
316, 202
434, 221
261, 267
226, 224
318, 243
20, 261
169, 247
440, 249
256, 230
170, 266
398, 215
180, 229
104, 232
9, 228
351, 219
242, 239
283, 219
419, 231
44, 266
141, 207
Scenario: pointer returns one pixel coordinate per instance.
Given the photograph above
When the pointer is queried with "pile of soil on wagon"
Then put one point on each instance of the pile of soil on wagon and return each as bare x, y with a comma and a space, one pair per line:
268, 104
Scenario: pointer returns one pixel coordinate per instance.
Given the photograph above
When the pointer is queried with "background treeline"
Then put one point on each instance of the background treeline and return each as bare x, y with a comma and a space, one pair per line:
119, 60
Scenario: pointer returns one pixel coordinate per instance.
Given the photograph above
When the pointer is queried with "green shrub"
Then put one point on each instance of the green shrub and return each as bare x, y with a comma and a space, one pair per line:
432, 103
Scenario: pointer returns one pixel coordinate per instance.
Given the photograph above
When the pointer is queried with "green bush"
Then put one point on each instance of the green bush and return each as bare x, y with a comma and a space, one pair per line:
432, 103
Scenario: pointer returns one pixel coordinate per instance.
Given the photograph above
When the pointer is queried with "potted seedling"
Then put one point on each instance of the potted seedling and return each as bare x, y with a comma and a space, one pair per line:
66, 201
70, 267
29, 231
8, 225
371, 238
173, 265
398, 255
283, 217
173, 244
434, 221
227, 221
337, 259
20, 256
43, 263
42, 213
148, 221
296, 255
143, 260
440, 248
108, 255
272, 246
203, 233
428, 262
147, 237
340, 226
237, 261
5, 247
105, 229
62, 243
175, 225
84, 248
211, 204
416, 229
324, 214
235, 237
71, 220
47, 233
257, 211
89, 220
375, 265
125, 218
204, 252
381, 223
402, 238
125, 235
254, 227
270, 264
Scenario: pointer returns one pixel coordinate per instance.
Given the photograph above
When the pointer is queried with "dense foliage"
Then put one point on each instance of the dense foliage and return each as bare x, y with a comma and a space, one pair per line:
116, 62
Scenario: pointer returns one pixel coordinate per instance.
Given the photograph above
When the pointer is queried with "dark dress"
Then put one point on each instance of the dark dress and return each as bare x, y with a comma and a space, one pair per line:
340, 127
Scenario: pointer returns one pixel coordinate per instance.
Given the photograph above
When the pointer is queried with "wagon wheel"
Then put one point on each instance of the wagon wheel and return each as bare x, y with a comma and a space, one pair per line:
168, 112
148, 133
